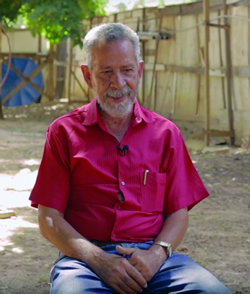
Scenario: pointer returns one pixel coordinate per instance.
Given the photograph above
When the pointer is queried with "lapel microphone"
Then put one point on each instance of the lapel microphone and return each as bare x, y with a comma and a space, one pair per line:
122, 150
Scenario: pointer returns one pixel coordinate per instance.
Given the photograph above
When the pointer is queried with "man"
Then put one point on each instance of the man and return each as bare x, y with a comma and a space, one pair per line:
116, 183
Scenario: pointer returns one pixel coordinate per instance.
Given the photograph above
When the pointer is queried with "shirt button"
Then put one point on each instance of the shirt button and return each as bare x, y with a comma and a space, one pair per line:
138, 119
114, 235
123, 183
118, 207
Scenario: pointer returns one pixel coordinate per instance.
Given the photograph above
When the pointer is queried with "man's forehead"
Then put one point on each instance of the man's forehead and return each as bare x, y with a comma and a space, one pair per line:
118, 53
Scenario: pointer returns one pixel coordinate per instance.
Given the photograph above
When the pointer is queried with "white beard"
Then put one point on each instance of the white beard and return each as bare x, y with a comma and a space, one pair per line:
117, 110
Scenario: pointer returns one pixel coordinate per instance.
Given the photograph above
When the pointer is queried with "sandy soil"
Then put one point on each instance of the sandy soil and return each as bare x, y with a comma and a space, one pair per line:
218, 236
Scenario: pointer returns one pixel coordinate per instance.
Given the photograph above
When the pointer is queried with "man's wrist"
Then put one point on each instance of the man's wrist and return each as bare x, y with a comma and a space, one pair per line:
166, 247
159, 252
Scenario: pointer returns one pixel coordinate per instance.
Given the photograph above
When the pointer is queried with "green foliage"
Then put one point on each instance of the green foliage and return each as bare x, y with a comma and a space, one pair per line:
57, 20
9, 11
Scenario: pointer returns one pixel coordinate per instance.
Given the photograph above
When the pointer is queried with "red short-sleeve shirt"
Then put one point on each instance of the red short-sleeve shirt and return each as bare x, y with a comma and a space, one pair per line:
107, 194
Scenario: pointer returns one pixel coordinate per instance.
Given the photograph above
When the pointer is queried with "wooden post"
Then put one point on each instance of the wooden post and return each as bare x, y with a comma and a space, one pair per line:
221, 65
1, 110
154, 76
50, 79
228, 76
200, 63
206, 71
70, 69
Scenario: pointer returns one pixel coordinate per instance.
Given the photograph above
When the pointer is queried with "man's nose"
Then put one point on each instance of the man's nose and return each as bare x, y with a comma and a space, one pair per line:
117, 81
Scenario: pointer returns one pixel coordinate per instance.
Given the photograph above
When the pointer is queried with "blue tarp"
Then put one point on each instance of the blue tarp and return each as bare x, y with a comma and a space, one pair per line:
27, 94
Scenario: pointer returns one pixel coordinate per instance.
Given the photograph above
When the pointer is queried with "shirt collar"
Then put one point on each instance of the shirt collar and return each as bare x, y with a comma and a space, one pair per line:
92, 115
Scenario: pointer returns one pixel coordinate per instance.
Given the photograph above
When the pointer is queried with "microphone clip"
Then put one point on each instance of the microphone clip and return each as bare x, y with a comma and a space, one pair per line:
122, 150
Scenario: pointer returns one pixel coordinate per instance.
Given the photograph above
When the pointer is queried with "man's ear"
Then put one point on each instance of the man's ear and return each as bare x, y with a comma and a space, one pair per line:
140, 69
87, 75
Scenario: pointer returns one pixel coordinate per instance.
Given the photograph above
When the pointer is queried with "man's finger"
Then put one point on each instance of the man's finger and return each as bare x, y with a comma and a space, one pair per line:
125, 250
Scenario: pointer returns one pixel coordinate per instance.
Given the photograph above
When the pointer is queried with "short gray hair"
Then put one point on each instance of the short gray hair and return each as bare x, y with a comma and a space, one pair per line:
109, 32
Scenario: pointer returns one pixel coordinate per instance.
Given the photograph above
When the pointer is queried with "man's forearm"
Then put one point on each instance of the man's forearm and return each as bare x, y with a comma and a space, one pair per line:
64, 237
173, 230
114, 270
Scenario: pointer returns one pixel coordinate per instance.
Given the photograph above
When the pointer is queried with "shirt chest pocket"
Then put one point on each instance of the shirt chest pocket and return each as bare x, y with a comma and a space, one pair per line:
153, 187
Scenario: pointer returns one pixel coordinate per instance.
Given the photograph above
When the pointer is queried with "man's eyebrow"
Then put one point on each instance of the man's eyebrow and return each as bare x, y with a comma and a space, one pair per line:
128, 65
105, 67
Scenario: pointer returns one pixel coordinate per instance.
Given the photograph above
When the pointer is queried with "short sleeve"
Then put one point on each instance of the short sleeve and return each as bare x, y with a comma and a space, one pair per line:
184, 186
52, 186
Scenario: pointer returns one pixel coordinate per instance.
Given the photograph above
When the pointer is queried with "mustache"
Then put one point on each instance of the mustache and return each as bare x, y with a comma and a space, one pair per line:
117, 93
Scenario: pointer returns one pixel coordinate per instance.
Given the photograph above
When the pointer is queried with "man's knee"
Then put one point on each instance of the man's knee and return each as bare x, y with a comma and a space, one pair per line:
202, 281
66, 282
71, 276
180, 274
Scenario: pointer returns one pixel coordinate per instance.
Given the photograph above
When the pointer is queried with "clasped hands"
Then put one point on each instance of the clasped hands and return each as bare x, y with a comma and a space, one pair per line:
128, 275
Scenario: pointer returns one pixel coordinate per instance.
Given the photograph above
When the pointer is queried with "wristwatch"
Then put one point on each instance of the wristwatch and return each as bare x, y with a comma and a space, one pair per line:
166, 246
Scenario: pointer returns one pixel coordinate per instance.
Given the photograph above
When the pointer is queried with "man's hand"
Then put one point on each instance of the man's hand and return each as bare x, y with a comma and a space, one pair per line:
119, 274
147, 262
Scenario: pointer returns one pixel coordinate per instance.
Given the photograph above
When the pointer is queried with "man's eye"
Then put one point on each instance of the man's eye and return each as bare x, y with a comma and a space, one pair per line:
128, 69
107, 71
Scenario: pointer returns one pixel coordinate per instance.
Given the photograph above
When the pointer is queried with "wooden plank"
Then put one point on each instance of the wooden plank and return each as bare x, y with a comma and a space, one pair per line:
6, 213
150, 52
79, 83
167, 49
197, 7
164, 92
185, 91
151, 35
137, 13
188, 69
189, 118
25, 55
238, 71
214, 133
240, 50
171, 10
158, 67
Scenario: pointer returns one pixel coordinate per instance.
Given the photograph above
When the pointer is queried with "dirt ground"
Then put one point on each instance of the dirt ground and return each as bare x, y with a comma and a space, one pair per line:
218, 236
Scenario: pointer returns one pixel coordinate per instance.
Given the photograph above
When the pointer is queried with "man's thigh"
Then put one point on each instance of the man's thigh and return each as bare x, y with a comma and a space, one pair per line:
180, 274
71, 276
